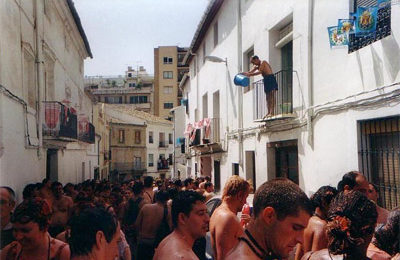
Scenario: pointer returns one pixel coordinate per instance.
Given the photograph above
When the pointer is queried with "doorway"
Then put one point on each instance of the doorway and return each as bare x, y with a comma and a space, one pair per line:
286, 160
52, 164
217, 175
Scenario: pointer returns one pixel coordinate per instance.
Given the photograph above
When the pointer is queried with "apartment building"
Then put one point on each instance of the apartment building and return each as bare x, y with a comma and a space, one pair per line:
135, 88
168, 72
45, 116
337, 109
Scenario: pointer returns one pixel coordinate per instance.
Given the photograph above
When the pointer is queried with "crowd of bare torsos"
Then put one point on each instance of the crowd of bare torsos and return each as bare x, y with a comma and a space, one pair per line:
284, 223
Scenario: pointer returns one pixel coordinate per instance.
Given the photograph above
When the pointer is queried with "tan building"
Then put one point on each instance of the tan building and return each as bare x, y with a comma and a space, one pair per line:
128, 149
102, 141
168, 72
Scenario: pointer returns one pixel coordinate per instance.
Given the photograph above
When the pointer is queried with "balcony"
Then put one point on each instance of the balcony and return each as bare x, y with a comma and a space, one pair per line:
283, 108
86, 131
206, 137
162, 144
163, 164
60, 122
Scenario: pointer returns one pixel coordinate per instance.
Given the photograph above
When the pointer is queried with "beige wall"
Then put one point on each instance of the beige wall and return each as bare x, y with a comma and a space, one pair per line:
160, 82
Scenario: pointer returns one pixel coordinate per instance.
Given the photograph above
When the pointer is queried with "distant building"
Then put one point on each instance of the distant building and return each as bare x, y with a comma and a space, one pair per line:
135, 88
168, 72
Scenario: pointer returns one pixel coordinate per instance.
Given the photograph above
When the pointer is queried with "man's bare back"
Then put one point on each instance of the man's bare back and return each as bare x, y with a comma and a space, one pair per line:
61, 210
225, 230
149, 220
314, 237
174, 246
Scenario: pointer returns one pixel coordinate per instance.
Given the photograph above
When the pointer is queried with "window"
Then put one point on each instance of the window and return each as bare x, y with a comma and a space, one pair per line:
138, 99
29, 78
137, 137
151, 160
167, 75
142, 99
161, 140
133, 100
129, 75
121, 136
168, 60
383, 25
170, 141
150, 137
247, 66
379, 149
168, 89
113, 100
170, 160
168, 105
132, 85
216, 34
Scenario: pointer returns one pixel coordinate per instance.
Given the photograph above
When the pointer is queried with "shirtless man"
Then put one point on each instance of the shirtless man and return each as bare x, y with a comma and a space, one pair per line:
270, 84
382, 213
209, 191
148, 222
281, 213
148, 194
315, 234
225, 227
45, 191
62, 206
190, 219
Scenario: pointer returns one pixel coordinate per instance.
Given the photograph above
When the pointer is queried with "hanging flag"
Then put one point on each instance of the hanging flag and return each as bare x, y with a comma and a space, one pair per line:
383, 3
366, 20
337, 39
346, 26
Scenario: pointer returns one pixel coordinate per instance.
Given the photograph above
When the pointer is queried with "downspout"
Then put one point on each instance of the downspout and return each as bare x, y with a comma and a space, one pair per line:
98, 151
39, 73
240, 90
310, 74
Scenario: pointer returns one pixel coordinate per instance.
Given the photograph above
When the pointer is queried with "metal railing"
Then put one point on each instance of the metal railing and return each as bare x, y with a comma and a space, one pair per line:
162, 144
88, 134
59, 121
211, 134
283, 97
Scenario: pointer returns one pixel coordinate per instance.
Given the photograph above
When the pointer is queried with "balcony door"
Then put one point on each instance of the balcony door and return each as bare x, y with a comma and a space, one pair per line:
285, 79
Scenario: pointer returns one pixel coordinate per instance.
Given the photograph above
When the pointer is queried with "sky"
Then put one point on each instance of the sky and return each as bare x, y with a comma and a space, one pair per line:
124, 33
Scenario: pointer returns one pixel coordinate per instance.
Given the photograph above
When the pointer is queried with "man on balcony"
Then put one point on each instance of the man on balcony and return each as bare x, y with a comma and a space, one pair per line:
270, 84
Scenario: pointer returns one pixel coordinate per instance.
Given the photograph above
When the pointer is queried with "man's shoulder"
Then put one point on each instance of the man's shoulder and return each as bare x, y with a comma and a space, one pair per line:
173, 248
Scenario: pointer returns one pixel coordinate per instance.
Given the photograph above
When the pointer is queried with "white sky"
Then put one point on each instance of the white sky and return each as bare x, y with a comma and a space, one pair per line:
124, 33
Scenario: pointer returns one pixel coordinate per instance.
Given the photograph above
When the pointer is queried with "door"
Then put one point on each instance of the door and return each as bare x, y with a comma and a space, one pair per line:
217, 175
287, 163
52, 164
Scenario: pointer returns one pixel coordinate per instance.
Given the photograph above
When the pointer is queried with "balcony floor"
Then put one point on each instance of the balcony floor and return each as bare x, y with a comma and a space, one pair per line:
277, 117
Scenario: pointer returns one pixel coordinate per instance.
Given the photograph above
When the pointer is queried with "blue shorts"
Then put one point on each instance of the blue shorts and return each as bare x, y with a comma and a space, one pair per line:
270, 83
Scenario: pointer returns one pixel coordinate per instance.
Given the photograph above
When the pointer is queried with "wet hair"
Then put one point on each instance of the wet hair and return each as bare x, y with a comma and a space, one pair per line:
148, 181
137, 188
325, 194
187, 181
348, 179
173, 192
207, 178
178, 183
183, 203
29, 191
36, 210
234, 185
207, 184
162, 196
351, 221
284, 196
10, 191
85, 226
387, 238
255, 57
54, 185
376, 188
45, 180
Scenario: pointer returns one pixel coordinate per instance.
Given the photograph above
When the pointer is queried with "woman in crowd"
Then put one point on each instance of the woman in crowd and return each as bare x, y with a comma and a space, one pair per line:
351, 223
30, 221
386, 241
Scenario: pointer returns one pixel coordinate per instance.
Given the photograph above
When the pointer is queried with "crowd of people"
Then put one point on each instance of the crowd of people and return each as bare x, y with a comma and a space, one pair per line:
168, 219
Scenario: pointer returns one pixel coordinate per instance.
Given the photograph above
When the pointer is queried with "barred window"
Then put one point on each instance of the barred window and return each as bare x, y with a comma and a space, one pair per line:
379, 157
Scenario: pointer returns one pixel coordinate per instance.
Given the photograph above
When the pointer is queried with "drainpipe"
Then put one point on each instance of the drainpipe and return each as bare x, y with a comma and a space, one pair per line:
98, 151
310, 74
240, 90
39, 74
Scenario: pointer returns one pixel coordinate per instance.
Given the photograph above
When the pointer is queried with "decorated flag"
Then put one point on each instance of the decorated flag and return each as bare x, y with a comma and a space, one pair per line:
337, 39
366, 20
346, 26
383, 3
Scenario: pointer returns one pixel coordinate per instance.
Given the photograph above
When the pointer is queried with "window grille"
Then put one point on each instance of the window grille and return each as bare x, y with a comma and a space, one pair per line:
379, 157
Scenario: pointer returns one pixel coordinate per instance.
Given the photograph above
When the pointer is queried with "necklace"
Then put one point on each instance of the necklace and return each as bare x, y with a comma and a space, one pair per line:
48, 251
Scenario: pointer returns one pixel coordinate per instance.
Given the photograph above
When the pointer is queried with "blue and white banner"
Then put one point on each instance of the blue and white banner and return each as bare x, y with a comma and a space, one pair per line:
346, 26
366, 20
337, 39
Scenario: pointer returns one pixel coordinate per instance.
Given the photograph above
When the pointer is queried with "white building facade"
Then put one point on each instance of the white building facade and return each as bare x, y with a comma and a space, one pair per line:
337, 109
45, 128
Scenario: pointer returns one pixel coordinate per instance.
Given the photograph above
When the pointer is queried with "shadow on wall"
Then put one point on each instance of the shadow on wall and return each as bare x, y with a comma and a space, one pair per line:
378, 67
391, 52
231, 90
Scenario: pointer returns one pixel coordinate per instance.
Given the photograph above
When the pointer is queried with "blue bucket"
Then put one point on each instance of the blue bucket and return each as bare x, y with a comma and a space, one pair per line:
241, 80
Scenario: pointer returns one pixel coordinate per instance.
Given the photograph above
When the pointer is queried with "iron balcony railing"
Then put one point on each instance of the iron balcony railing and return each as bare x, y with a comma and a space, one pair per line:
283, 97
211, 133
59, 121
162, 144
87, 133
